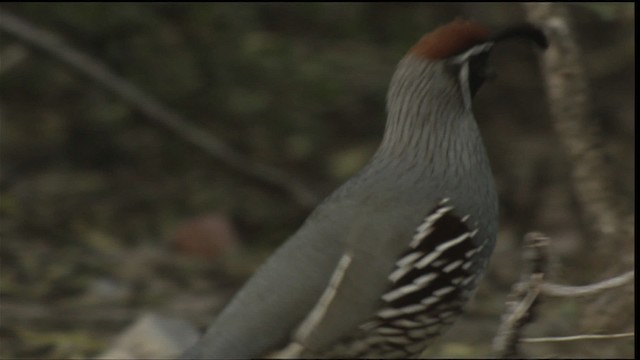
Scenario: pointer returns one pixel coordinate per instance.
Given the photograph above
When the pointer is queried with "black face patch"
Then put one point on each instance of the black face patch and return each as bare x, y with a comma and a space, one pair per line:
470, 68
478, 71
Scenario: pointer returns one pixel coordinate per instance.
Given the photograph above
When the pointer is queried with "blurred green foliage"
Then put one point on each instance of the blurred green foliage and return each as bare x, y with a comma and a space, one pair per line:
287, 84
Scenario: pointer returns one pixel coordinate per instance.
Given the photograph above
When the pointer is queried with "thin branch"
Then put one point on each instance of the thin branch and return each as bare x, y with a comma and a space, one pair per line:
577, 337
523, 299
569, 100
568, 94
519, 316
573, 291
526, 295
153, 109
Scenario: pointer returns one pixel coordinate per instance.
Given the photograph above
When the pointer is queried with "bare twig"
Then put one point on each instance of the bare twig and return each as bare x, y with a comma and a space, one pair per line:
577, 337
572, 291
153, 109
568, 95
523, 298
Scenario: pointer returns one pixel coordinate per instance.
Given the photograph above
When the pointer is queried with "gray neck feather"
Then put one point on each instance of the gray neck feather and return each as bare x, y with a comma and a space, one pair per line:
428, 124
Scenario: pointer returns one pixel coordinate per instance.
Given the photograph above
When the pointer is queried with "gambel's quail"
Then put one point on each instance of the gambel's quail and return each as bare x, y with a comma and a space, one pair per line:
387, 261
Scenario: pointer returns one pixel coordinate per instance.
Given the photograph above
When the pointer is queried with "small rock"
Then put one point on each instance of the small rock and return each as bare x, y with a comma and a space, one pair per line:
153, 337
210, 236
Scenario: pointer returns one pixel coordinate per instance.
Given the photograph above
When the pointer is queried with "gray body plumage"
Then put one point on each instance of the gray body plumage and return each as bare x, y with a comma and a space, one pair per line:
431, 150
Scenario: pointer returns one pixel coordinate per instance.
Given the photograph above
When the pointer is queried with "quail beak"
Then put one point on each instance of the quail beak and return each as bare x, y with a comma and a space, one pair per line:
524, 31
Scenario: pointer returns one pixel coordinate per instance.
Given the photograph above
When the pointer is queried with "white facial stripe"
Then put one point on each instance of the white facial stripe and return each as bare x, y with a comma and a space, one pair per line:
478, 49
463, 76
